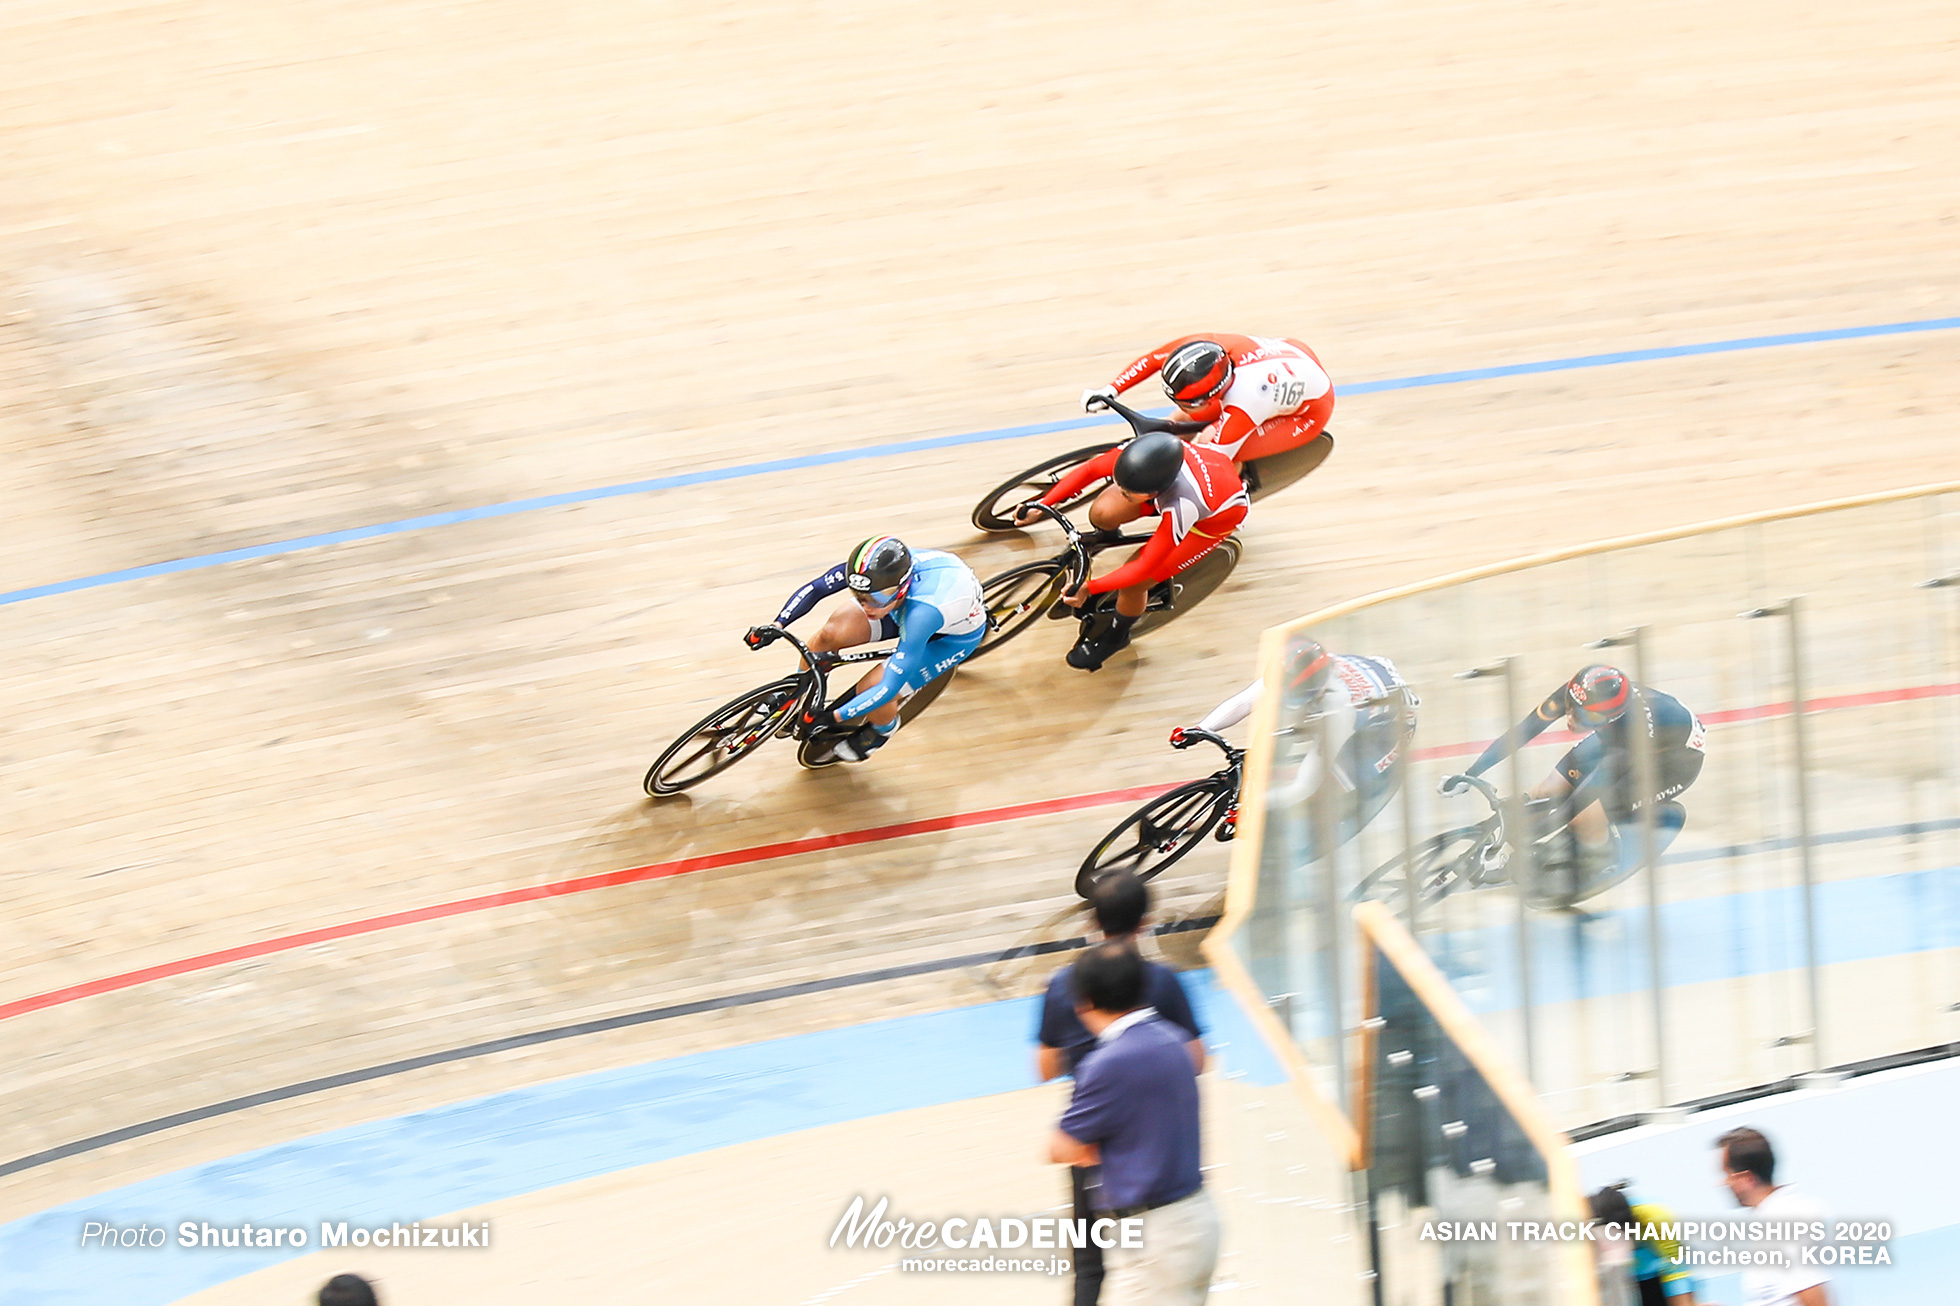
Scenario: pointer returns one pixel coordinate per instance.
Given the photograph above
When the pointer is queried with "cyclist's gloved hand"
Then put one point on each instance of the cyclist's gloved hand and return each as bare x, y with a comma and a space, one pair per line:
1453, 784
1179, 739
762, 636
1025, 515
1097, 399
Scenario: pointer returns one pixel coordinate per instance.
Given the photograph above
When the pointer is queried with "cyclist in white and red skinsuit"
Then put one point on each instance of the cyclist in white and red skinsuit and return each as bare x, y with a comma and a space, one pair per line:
1362, 711
1261, 394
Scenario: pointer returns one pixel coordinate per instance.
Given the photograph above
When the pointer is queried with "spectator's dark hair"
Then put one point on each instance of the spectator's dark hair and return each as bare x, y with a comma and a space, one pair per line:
347, 1290
1610, 1206
1120, 900
1745, 1149
1109, 977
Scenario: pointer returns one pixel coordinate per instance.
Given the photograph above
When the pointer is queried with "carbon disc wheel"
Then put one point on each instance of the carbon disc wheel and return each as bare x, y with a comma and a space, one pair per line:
1192, 586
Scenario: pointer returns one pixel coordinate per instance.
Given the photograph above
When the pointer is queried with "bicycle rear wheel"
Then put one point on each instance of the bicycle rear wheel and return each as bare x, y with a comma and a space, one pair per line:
1279, 470
1192, 586
1442, 864
1154, 836
1016, 599
725, 736
996, 511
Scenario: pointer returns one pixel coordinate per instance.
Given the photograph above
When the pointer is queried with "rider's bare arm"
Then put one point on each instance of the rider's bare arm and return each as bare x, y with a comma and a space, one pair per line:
1234, 709
1099, 468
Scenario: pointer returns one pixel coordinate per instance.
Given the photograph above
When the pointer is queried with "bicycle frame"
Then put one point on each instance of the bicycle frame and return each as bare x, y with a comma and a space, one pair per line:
1083, 548
817, 664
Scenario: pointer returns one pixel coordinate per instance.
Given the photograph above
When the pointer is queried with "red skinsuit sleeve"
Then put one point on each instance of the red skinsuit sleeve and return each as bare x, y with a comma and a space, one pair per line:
1086, 474
1150, 561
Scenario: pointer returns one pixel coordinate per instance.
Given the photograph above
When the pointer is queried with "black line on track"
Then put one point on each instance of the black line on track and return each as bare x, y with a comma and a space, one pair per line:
606, 1023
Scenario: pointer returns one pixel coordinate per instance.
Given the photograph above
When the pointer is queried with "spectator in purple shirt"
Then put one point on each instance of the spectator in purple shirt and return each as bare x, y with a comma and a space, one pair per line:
1122, 905
1135, 1114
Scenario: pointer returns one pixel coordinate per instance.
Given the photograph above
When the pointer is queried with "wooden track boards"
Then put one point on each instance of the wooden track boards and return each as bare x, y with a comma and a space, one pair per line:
273, 271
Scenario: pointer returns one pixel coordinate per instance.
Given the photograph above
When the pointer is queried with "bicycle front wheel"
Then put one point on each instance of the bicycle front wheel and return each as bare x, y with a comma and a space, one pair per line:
1155, 835
1016, 599
725, 736
1442, 864
996, 511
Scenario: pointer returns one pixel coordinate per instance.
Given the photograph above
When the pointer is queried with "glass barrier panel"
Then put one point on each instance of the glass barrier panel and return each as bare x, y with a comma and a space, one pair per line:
1757, 893
1451, 1170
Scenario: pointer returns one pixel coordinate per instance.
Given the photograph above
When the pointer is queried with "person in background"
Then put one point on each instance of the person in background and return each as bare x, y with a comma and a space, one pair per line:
1657, 1272
1134, 1114
1612, 1247
1749, 1170
1122, 905
347, 1290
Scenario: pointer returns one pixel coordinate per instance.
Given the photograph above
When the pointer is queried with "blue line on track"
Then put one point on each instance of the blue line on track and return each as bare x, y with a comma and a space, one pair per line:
467, 1154
740, 471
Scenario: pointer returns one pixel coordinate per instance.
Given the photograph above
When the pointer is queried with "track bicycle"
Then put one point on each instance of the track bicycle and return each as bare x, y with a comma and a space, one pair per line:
1170, 825
995, 511
1019, 596
771, 711
1484, 855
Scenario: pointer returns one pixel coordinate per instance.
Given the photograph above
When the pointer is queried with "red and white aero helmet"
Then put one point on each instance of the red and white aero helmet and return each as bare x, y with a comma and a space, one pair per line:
1197, 373
1598, 695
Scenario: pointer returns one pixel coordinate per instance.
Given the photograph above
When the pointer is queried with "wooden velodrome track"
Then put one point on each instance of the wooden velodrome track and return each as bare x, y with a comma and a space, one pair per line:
268, 272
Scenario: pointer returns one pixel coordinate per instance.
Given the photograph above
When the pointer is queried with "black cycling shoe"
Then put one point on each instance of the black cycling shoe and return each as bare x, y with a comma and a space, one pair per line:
860, 744
1090, 653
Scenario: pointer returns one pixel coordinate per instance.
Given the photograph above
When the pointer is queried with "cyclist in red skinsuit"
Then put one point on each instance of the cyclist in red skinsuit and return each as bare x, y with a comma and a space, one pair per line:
1200, 499
1262, 394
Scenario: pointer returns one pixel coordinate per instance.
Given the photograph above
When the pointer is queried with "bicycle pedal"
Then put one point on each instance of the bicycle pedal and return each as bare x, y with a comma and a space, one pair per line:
1228, 828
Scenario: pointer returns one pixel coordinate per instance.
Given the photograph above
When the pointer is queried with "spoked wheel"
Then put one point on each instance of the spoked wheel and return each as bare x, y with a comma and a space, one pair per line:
1191, 586
996, 511
1157, 834
1443, 864
725, 736
1016, 599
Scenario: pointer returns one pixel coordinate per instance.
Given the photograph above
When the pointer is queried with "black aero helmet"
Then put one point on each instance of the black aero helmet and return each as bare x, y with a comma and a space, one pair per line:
880, 569
1598, 695
1197, 373
1149, 463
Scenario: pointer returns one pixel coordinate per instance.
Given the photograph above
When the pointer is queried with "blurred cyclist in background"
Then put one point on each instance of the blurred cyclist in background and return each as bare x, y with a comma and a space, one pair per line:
1261, 394
1360, 707
1596, 783
928, 601
1200, 498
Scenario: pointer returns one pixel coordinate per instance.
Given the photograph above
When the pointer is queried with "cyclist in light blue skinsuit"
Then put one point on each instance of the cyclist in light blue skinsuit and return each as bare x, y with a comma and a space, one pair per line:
928, 601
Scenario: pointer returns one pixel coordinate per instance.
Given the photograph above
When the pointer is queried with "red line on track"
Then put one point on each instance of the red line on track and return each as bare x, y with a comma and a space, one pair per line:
1730, 716
792, 847
582, 884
